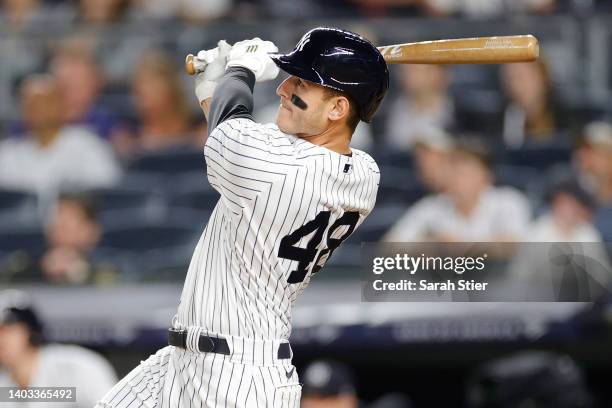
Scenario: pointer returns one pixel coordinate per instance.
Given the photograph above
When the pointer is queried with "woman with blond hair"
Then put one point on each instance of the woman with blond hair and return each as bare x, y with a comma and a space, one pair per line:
163, 116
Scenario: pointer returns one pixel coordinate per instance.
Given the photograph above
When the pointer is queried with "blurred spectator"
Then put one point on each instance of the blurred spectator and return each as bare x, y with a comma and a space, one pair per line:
299, 9
190, 10
100, 12
469, 208
532, 113
529, 379
164, 117
488, 8
72, 235
569, 218
544, 268
80, 80
328, 384
594, 160
27, 361
53, 156
21, 13
424, 103
431, 154
380, 8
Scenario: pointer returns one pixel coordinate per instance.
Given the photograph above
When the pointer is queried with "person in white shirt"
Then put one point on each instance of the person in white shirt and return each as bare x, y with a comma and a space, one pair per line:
425, 103
540, 266
53, 156
26, 361
469, 207
569, 217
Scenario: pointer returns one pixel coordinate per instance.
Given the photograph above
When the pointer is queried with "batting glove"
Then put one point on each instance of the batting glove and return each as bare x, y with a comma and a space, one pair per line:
211, 65
253, 55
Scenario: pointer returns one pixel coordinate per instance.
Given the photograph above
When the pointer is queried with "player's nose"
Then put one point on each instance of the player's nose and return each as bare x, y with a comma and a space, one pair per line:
283, 88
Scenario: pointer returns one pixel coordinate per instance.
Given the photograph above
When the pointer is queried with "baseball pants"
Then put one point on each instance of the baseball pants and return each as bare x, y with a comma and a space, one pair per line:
250, 376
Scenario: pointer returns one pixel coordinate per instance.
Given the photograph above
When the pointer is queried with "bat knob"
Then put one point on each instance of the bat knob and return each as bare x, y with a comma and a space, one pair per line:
189, 67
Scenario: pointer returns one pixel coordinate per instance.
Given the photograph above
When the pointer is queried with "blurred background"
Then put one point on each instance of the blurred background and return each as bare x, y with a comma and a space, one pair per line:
103, 190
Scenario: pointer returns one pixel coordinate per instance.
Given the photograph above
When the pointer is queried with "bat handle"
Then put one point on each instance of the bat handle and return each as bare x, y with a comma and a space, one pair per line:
189, 66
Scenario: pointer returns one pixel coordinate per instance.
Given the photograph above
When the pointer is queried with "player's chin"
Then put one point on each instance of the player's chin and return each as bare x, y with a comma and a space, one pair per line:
283, 120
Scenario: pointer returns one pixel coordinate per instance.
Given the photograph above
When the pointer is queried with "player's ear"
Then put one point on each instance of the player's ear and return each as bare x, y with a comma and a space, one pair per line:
340, 108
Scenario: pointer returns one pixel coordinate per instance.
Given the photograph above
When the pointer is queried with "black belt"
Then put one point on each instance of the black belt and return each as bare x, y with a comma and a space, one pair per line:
208, 344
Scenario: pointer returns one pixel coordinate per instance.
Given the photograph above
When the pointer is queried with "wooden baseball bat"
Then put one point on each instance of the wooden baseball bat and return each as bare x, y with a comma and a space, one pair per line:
479, 50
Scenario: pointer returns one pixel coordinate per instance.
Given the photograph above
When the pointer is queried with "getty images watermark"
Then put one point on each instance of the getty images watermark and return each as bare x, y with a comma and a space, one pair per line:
485, 272
412, 264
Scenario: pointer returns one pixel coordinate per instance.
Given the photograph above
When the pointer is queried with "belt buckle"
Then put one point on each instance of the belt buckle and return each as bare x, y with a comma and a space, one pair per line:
177, 335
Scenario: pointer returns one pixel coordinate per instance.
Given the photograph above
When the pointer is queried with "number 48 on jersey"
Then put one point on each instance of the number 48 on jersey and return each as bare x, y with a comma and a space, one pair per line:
305, 256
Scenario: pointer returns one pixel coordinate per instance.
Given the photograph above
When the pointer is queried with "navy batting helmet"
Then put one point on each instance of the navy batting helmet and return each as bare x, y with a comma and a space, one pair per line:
16, 307
343, 61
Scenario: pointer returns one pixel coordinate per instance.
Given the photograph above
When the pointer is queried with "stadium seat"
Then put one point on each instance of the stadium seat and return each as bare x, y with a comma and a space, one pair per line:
18, 209
148, 237
539, 157
171, 161
199, 200
386, 156
191, 191
521, 177
12, 199
28, 240
163, 264
603, 222
377, 223
115, 198
399, 185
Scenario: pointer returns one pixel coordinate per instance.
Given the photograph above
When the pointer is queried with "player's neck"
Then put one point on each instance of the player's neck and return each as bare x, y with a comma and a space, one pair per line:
336, 139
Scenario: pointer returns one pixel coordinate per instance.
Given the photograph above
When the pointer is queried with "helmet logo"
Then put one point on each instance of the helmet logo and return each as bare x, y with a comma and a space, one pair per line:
252, 48
305, 39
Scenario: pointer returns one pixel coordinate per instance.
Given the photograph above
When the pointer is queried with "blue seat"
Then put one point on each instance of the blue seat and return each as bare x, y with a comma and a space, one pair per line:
199, 200
10, 199
539, 157
399, 185
171, 161
603, 222
521, 177
392, 157
377, 223
192, 191
115, 198
148, 237
28, 240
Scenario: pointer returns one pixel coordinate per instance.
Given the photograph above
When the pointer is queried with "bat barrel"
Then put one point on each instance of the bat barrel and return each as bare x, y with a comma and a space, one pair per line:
482, 50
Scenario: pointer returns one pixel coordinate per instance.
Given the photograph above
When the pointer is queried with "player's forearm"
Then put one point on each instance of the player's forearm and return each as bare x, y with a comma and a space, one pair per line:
233, 97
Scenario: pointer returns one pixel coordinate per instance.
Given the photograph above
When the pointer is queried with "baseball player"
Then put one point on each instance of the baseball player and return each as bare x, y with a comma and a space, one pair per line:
291, 193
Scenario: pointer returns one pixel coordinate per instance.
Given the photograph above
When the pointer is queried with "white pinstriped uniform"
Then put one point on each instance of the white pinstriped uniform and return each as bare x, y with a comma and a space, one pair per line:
284, 204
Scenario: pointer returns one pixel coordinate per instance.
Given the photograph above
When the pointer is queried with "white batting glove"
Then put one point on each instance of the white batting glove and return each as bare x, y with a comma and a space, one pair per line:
211, 65
253, 55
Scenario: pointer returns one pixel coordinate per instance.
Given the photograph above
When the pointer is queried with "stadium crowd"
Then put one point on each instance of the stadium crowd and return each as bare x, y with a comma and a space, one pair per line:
101, 168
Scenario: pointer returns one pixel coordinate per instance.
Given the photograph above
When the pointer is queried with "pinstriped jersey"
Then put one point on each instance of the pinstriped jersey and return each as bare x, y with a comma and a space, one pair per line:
285, 206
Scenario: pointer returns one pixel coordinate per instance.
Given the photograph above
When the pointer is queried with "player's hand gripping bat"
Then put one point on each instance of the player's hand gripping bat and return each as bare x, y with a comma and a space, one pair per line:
479, 50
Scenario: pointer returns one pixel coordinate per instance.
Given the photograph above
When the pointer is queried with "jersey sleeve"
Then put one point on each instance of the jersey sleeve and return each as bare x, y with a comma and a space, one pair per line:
233, 97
